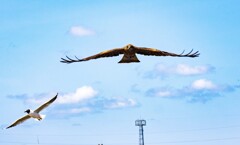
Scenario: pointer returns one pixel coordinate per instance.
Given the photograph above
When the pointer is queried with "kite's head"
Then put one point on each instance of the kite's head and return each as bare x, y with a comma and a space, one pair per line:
129, 47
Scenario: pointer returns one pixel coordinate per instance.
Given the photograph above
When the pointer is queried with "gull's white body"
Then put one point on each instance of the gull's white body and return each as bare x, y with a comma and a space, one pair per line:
36, 115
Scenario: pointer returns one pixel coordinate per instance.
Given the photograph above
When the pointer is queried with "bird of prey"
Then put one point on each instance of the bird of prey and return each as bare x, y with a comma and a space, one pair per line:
129, 54
33, 114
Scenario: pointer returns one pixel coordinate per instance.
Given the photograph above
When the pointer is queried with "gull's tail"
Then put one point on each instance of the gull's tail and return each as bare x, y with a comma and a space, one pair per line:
42, 117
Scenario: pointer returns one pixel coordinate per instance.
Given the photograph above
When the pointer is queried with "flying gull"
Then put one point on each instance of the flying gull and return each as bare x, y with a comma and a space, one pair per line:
33, 114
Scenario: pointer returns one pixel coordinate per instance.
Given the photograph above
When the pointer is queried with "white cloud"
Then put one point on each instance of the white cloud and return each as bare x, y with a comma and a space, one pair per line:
121, 104
184, 69
82, 101
201, 90
162, 70
81, 94
80, 31
74, 110
164, 94
202, 84
79, 110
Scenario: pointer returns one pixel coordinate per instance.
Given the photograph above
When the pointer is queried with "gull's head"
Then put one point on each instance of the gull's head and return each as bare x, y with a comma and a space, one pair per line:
27, 111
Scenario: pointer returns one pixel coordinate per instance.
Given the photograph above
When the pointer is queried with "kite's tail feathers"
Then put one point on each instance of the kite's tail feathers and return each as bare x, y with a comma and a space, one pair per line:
129, 59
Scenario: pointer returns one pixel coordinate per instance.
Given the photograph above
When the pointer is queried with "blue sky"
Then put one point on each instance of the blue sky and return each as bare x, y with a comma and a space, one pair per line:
190, 101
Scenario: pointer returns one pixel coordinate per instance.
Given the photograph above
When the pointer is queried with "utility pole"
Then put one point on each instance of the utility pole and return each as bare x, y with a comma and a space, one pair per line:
140, 123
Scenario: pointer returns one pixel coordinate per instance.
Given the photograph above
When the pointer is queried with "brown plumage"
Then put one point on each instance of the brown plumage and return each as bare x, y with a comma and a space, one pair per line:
129, 54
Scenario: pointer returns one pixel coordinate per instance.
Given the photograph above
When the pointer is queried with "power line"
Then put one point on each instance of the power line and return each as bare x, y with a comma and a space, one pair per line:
196, 129
163, 142
124, 133
200, 140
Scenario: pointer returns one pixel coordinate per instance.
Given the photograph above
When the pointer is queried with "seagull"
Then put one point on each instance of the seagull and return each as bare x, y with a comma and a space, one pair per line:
129, 54
34, 114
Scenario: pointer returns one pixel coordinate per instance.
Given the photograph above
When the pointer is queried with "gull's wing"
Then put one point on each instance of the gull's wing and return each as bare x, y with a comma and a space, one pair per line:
156, 52
21, 120
107, 53
45, 104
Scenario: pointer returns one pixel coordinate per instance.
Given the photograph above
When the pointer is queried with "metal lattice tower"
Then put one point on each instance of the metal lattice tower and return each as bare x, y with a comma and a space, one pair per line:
141, 123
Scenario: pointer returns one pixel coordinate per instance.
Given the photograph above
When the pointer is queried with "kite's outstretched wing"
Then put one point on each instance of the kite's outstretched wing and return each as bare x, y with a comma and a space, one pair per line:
156, 52
107, 53
45, 104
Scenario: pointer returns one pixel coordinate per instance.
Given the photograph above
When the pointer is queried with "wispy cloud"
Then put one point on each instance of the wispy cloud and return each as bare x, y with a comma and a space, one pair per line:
201, 90
72, 110
162, 70
97, 104
120, 103
80, 31
82, 101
